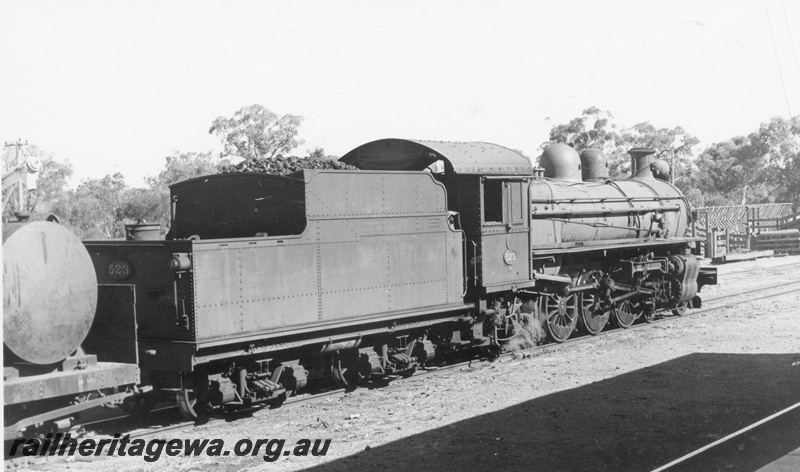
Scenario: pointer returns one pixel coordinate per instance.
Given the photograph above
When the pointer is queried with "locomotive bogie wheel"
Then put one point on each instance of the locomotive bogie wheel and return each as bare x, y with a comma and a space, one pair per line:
648, 315
591, 320
624, 314
561, 316
680, 309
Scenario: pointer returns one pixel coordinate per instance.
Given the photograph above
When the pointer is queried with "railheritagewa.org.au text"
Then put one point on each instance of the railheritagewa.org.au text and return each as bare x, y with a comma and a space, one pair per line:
151, 450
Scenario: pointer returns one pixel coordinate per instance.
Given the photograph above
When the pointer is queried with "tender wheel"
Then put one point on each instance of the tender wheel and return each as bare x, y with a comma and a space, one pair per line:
139, 406
279, 400
624, 314
192, 399
680, 310
344, 370
186, 402
561, 316
592, 320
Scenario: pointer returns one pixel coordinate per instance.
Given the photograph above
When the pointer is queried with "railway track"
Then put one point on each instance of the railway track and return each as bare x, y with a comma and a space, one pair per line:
741, 294
702, 458
713, 304
770, 269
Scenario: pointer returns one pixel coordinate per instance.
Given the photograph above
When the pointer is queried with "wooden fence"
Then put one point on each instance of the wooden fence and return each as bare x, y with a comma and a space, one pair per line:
786, 241
720, 243
791, 221
732, 229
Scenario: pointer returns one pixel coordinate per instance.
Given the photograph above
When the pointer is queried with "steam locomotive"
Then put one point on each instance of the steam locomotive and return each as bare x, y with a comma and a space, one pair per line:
265, 283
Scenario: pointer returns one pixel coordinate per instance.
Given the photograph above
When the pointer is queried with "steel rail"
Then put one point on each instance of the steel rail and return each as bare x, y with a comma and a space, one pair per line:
794, 265
747, 292
726, 438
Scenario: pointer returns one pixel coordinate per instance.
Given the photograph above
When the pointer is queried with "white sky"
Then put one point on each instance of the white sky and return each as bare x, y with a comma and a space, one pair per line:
117, 86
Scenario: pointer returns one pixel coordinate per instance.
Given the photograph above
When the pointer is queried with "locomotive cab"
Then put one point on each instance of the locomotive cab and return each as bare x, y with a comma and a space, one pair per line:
487, 185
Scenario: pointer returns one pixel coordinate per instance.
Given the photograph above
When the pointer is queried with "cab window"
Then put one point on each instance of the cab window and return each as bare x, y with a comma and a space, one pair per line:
493, 201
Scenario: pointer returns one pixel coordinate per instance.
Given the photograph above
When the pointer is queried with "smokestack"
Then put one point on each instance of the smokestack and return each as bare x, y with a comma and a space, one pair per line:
641, 158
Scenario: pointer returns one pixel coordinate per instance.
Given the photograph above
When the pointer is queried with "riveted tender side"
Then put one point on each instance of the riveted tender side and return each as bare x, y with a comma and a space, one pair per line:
282, 280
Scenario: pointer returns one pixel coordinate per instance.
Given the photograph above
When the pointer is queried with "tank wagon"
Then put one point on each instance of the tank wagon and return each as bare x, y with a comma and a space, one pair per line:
49, 302
265, 283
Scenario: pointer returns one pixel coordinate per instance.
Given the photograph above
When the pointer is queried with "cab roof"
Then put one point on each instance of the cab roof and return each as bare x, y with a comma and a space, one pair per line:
477, 158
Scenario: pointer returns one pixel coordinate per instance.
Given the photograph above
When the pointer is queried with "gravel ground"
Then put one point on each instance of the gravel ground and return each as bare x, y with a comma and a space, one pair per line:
628, 402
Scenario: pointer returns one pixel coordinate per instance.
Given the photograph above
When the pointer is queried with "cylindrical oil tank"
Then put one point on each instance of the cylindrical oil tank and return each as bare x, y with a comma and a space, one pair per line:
565, 212
49, 292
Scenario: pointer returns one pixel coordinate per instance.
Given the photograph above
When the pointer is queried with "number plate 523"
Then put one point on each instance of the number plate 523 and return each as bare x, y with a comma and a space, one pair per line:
120, 270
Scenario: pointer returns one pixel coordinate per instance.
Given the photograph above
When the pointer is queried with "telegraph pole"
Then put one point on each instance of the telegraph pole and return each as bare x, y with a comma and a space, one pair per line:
10, 169
672, 166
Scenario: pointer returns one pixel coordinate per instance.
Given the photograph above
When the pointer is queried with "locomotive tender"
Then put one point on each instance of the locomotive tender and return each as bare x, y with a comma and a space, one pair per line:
267, 282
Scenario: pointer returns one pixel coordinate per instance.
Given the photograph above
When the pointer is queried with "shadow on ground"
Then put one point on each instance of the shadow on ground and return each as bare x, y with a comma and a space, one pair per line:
634, 422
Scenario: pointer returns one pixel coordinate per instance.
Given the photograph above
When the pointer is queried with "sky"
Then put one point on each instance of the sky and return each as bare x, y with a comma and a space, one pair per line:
118, 86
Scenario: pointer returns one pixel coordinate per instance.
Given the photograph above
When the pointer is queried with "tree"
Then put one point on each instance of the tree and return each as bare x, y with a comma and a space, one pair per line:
319, 153
779, 141
256, 132
695, 197
52, 188
733, 172
593, 129
93, 210
675, 146
151, 205
145, 205
763, 167
186, 165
